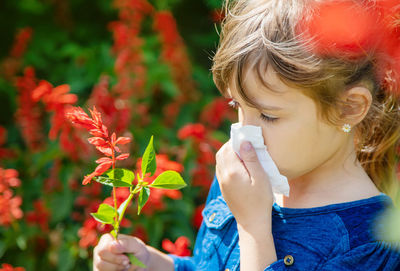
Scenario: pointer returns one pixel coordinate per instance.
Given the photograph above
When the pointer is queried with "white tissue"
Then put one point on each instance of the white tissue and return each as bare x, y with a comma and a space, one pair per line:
253, 134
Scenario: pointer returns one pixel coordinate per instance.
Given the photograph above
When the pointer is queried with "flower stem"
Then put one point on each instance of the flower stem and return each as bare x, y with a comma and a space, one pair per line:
117, 221
124, 209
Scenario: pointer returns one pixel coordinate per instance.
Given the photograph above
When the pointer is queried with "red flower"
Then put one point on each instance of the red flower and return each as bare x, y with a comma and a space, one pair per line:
362, 30
3, 138
8, 178
88, 233
215, 112
28, 115
354, 33
21, 41
12, 64
8, 267
9, 208
201, 177
39, 216
140, 232
179, 248
101, 140
197, 216
195, 130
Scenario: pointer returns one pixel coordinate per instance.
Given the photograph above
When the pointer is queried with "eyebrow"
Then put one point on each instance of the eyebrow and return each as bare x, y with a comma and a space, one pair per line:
258, 105
266, 107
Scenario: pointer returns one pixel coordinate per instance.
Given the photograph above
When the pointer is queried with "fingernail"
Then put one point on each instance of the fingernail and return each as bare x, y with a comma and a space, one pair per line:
125, 263
117, 245
246, 146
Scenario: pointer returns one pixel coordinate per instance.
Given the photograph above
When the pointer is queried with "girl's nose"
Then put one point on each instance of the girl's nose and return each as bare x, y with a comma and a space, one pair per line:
249, 119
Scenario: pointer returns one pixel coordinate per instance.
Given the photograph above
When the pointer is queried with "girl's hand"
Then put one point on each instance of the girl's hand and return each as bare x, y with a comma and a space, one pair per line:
244, 185
109, 254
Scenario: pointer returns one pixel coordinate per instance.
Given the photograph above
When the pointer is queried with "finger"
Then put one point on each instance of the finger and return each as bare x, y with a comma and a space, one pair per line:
110, 257
251, 162
127, 244
106, 266
133, 245
104, 242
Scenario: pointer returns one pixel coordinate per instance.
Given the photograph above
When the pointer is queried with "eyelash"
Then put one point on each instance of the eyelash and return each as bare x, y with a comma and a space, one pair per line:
235, 105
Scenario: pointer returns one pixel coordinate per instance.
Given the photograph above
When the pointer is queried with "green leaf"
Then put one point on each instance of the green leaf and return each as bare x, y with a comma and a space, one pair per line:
111, 182
135, 261
105, 214
122, 174
149, 159
169, 180
118, 177
143, 197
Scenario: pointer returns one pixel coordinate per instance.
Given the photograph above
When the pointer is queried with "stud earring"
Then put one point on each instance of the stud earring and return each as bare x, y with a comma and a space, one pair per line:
346, 128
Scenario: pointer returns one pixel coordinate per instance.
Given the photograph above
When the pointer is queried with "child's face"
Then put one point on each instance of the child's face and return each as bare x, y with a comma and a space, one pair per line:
297, 140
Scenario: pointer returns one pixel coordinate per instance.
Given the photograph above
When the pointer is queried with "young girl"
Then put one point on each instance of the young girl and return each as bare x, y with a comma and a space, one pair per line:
322, 80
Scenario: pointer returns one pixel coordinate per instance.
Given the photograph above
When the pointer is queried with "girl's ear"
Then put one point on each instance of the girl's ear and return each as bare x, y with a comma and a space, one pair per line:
355, 104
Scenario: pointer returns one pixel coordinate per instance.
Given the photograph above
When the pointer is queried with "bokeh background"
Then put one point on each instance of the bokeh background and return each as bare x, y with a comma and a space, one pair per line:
145, 65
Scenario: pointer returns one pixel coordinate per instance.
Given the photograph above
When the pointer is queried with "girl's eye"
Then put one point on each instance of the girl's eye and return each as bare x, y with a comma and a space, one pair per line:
264, 117
267, 118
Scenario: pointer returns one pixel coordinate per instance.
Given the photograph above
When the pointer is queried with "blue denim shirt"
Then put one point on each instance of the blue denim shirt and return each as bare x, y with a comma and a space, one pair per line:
333, 237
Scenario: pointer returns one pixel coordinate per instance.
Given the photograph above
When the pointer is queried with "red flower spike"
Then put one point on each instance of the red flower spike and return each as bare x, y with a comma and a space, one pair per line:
105, 130
122, 140
97, 141
96, 116
103, 160
117, 149
122, 156
105, 150
113, 138
100, 169
96, 132
77, 116
88, 178
41, 90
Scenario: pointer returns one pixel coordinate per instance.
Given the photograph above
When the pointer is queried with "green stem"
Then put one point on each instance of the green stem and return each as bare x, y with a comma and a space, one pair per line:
131, 195
124, 209
117, 220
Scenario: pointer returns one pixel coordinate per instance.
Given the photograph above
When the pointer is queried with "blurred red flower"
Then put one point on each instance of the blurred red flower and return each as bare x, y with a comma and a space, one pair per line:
9, 267
40, 215
195, 130
215, 112
88, 233
4, 152
9, 208
28, 114
12, 64
197, 216
9, 205
8, 178
179, 248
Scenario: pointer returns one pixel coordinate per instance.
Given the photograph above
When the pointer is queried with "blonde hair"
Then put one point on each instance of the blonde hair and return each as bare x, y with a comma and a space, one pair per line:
262, 33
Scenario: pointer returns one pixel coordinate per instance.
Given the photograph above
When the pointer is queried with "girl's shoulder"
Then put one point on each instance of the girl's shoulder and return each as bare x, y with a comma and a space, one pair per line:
375, 203
354, 223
